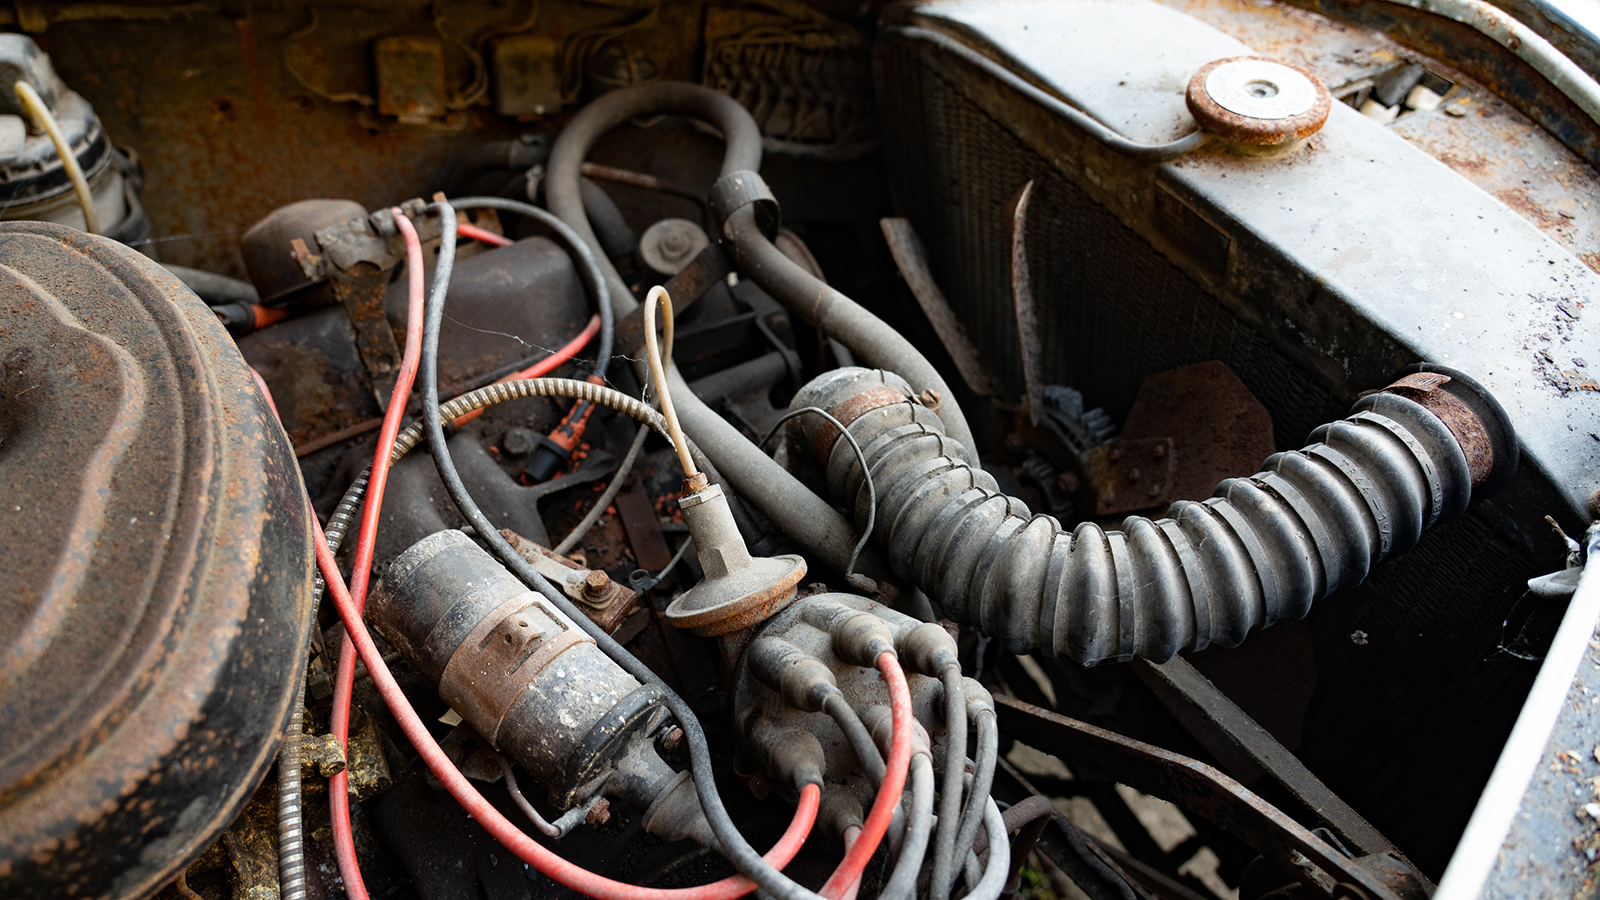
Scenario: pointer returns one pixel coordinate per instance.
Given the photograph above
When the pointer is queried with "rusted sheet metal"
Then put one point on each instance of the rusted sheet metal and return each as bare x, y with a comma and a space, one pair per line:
912, 260
410, 74
638, 516
1218, 428
1199, 789
709, 267
1131, 473
362, 292
1022, 299
158, 568
1478, 134
1476, 54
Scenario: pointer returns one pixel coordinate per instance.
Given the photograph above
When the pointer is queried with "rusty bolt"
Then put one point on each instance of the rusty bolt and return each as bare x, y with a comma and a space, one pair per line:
1134, 474
1161, 450
600, 813
595, 584
672, 740
1155, 490
930, 398
696, 483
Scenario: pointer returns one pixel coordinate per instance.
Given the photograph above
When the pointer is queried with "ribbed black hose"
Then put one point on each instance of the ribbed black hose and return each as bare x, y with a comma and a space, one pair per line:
1263, 549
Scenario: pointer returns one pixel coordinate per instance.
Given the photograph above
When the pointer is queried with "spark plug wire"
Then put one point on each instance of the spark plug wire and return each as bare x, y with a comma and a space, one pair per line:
366, 541
894, 780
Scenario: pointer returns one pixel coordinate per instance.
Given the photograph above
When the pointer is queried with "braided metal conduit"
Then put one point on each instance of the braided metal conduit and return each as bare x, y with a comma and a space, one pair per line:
1261, 550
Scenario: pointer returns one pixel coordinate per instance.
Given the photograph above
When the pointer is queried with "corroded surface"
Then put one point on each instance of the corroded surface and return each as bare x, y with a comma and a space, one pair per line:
1474, 132
158, 555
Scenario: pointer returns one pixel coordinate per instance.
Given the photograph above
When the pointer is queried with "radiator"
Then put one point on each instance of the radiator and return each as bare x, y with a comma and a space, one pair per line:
1139, 269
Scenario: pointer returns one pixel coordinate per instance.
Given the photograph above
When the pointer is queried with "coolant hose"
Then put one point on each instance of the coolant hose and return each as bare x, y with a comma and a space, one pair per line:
871, 339
562, 182
1261, 550
806, 518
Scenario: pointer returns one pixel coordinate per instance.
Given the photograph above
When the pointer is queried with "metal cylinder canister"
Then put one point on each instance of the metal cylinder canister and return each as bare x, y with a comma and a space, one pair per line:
521, 673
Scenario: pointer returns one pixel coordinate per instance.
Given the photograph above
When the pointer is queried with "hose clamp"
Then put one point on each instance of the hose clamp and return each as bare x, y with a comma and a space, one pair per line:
734, 192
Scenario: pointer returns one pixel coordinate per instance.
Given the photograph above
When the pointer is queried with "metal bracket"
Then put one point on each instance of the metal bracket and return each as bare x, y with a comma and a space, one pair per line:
362, 293
1200, 789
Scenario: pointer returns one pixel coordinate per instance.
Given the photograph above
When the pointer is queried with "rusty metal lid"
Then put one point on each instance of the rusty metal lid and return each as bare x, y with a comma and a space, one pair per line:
1258, 102
718, 606
275, 266
156, 564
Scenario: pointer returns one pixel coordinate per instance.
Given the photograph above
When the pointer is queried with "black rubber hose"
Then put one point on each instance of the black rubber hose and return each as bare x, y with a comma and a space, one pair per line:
1262, 550
214, 288
806, 518
871, 339
562, 184
738, 850
616, 238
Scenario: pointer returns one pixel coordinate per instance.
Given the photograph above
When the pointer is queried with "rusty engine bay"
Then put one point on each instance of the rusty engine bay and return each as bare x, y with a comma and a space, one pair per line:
826, 448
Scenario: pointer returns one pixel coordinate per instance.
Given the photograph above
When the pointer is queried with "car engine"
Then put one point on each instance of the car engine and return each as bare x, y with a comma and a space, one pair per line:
920, 450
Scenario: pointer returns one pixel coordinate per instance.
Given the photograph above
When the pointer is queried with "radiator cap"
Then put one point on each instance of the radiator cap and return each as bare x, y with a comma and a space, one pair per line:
1258, 105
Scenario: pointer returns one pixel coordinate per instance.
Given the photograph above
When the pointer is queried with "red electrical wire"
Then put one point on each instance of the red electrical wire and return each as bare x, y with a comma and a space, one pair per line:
358, 642
366, 540
894, 781
501, 828
543, 366
478, 234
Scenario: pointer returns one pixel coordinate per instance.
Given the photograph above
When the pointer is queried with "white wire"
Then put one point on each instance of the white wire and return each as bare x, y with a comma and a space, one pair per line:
659, 297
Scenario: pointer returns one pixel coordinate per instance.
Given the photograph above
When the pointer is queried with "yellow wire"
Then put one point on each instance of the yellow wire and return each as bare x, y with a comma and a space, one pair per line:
34, 104
658, 297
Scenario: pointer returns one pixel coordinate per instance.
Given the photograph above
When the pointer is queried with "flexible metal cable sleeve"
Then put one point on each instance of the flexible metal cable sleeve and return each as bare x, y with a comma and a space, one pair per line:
756, 478
738, 850
944, 840
1263, 549
902, 884
1078, 118
291, 821
291, 824
870, 338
